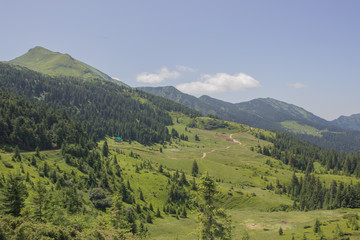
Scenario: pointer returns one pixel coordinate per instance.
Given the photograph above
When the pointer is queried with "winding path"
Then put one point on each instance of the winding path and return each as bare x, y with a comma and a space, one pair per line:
227, 148
234, 140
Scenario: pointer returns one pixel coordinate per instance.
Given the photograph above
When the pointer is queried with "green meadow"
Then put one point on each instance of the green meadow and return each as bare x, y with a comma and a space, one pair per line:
241, 175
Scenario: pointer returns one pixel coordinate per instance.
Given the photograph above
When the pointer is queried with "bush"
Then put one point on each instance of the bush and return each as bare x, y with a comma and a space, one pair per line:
99, 199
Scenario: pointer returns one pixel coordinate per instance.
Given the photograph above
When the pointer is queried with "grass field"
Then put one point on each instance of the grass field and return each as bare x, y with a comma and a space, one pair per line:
241, 174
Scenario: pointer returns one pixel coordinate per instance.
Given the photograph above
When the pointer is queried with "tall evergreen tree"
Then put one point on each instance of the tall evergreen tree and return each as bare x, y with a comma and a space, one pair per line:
195, 169
16, 156
105, 149
39, 201
317, 226
211, 226
14, 194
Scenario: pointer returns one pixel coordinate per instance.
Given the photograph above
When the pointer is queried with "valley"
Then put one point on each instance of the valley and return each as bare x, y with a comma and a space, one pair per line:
85, 157
241, 175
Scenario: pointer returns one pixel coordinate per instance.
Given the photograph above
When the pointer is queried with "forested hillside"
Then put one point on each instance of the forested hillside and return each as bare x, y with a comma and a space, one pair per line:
103, 108
29, 125
272, 114
174, 175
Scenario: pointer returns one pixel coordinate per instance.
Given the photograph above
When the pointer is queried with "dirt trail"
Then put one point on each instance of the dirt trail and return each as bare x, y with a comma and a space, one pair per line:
234, 140
228, 147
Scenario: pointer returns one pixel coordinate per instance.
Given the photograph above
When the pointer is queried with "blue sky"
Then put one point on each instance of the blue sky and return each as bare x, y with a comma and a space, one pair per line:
303, 52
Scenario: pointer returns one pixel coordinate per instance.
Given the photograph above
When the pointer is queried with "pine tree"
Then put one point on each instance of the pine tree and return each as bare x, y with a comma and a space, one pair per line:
33, 161
37, 152
210, 224
195, 169
281, 232
197, 137
183, 180
141, 195
158, 214
16, 156
14, 194
138, 208
310, 167
193, 184
149, 218
105, 149
317, 226
161, 168
143, 231
184, 213
39, 201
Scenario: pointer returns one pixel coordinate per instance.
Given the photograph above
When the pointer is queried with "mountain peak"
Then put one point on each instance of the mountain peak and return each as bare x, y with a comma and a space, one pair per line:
38, 49
54, 63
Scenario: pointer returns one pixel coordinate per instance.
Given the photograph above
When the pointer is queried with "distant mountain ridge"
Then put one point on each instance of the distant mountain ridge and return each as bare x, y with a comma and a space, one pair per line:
257, 112
53, 63
351, 122
272, 114
341, 134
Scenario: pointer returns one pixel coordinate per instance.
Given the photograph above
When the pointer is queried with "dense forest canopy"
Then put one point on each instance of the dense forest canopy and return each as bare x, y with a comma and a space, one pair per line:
301, 155
103, 108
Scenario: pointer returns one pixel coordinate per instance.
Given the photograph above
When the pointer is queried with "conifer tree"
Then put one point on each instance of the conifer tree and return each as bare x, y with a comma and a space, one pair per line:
161, 168
158, 214
105, 149
197, 137
149, 218
14, 194
16, 156
143, 231
39, 201
37, 152
195, 169
141, 195
183, 180
193, 184
281, 232
317, 226
211, 226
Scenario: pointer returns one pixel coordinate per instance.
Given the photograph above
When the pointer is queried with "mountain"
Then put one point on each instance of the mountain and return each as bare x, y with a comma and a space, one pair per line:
265, 113
351, 123
53, 63
278, 111
270, 114
82, 182
102, 107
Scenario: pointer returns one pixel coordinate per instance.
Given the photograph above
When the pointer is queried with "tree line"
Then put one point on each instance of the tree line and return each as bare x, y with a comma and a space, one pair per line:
29, 125
301, 155
102, 107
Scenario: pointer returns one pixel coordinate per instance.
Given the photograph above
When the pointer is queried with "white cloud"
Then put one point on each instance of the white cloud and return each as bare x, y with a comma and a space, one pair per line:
115, 78
185, 68
297, 85
157, 77
220, 82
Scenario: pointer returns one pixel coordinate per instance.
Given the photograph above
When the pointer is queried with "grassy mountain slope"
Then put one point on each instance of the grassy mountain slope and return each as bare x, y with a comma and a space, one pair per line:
206, 105
277, 111
172, 93
242, 176
114, 190
53, 63
268, 113
351, 123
